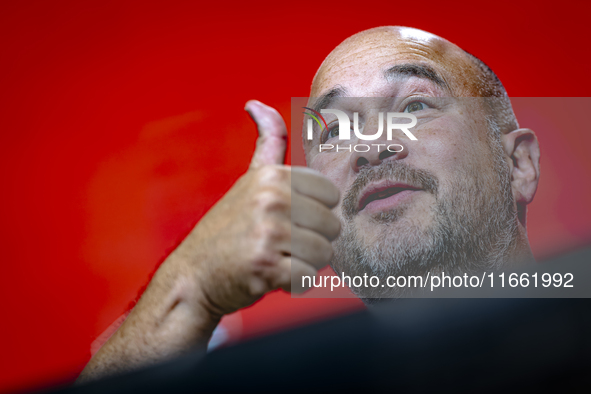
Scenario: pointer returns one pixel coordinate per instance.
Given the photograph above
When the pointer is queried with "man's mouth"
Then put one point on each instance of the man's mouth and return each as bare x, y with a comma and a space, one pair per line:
384, 195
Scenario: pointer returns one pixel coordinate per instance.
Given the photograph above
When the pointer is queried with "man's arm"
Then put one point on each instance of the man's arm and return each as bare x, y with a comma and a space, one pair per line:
244, 247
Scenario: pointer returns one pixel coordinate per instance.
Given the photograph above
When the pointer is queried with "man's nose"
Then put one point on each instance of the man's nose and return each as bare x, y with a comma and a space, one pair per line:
379, 151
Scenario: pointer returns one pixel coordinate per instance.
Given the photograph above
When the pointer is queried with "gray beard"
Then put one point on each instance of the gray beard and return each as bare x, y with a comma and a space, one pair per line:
474, 227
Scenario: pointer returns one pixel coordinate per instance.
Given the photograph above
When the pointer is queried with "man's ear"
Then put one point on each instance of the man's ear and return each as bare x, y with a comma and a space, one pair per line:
522, 147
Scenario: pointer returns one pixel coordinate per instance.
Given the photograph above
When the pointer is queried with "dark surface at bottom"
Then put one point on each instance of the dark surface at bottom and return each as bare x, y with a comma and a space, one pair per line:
464, 345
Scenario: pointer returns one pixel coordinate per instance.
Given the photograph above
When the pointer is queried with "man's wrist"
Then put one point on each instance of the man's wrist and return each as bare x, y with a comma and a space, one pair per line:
187, 306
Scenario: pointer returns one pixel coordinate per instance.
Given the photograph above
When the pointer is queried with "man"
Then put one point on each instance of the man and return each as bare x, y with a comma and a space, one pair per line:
453, 200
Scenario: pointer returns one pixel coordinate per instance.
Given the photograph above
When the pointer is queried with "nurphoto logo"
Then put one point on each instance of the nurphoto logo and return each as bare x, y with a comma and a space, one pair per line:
342, 129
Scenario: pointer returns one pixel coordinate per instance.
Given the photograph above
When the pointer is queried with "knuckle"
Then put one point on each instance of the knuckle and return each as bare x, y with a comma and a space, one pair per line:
270, 231
256, 287
282, 279
328, 224
263, 258
272, 200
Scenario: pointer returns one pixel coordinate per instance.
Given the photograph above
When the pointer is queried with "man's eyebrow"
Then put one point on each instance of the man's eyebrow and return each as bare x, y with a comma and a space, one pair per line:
324, 100
416, 70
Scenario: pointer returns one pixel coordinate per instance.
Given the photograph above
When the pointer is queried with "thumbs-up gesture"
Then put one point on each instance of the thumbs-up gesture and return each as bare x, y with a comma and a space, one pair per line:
275, 224
272, 227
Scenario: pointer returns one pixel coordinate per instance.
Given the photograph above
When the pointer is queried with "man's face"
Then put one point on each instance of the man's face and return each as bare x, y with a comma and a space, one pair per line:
435, 204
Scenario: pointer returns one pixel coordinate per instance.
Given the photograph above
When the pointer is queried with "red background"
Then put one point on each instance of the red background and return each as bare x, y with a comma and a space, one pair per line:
123, 123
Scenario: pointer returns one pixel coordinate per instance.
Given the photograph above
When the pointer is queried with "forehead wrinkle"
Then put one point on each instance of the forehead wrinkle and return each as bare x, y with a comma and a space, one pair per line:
438, 57
349, 53
346, 63
349, 64
362, 57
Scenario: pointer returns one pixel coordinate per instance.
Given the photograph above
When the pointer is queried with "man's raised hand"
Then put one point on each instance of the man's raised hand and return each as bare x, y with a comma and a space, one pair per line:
275, 222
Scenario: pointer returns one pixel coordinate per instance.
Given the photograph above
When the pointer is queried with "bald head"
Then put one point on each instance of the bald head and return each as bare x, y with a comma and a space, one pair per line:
359, 62
453, 198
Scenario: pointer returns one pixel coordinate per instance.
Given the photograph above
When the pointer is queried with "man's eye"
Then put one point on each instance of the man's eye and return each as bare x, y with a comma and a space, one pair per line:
332, 132
415, 106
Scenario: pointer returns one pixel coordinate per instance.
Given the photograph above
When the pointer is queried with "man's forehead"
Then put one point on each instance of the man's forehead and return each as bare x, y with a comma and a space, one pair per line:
361, 60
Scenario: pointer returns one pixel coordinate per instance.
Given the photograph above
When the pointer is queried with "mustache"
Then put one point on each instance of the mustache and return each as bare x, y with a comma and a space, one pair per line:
390, 170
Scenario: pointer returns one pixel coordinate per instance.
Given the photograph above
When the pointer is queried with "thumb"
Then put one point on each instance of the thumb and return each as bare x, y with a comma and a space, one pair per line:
272, 139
